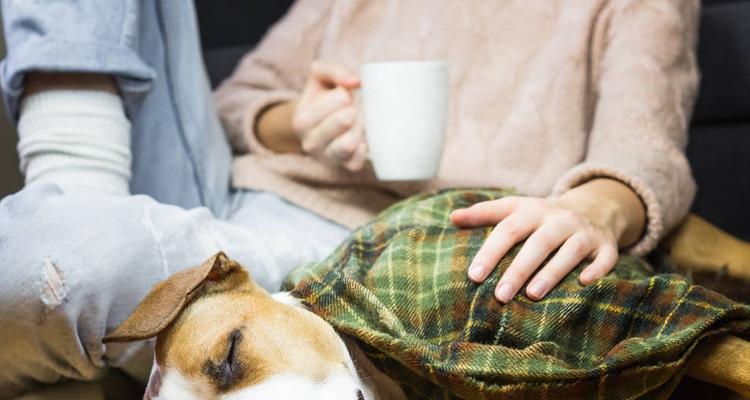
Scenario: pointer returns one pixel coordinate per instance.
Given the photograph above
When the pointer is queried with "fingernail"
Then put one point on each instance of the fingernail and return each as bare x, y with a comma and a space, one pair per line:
504, 292
586, 277
537, 289
476, 272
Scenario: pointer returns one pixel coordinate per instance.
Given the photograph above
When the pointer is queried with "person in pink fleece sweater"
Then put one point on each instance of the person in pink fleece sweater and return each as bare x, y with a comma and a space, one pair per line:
582, 107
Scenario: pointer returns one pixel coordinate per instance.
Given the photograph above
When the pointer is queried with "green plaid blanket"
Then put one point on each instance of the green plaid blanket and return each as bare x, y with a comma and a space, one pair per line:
399, 286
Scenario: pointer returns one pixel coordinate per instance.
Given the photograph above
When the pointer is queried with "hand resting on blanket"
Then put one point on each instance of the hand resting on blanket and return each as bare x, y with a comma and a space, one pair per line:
589, 221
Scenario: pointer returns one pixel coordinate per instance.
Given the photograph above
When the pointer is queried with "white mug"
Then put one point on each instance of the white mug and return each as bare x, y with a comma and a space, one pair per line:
405, 106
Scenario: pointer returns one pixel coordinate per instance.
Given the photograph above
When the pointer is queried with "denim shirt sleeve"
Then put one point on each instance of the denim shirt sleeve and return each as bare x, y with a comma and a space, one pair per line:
72, 36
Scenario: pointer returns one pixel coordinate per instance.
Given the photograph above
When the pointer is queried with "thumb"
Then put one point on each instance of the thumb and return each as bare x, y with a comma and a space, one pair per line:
334, 75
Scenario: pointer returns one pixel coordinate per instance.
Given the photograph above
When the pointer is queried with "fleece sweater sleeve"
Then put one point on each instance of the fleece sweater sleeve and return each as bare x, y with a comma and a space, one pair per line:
646, 87
274, 72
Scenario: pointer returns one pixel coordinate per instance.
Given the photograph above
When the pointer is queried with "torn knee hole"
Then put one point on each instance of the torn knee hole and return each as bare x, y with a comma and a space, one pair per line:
54, 290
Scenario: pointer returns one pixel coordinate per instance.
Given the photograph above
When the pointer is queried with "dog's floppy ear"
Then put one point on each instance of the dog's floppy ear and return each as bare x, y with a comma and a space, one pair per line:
167, 298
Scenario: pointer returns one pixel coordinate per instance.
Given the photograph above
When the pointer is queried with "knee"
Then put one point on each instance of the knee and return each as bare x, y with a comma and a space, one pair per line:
72, 267
56, 249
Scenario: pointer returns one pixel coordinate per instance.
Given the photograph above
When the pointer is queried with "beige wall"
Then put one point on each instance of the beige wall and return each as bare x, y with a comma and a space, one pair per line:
10, 179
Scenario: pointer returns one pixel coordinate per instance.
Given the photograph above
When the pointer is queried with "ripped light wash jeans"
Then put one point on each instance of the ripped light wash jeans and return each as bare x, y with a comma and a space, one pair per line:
72, 267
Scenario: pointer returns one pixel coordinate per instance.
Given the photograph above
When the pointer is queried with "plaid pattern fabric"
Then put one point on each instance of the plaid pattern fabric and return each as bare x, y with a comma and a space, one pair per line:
399, 286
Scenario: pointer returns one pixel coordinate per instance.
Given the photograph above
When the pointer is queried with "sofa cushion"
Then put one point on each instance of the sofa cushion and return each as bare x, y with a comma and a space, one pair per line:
230, 28
718, 154
724, 58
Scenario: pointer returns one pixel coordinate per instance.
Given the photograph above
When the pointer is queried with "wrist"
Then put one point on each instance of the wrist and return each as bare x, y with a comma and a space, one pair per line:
610, 204
599, 211
274, 128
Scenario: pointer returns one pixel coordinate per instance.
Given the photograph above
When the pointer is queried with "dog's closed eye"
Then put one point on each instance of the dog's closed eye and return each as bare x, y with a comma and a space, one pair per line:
227, 371
232, 353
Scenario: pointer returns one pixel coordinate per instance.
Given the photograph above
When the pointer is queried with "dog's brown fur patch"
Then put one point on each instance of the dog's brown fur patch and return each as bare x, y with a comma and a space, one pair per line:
199, 313
275, 338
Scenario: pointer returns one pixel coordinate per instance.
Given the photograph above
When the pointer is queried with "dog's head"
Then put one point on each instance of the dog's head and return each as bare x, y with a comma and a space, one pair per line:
221, 336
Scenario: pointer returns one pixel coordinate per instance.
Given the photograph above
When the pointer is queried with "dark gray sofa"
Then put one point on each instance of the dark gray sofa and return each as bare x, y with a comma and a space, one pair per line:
719, 149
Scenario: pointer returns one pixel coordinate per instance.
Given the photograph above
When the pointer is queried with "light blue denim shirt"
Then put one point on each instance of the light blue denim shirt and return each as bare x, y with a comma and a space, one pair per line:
135, 41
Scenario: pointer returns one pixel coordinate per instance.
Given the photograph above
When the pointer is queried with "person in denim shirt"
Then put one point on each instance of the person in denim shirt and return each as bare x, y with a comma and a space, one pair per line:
127, 181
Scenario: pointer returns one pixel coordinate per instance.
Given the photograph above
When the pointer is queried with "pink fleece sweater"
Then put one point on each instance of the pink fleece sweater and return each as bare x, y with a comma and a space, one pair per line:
545, 95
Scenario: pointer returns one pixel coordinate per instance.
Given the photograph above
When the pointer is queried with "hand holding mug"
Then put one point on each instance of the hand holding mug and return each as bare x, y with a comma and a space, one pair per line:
326, 118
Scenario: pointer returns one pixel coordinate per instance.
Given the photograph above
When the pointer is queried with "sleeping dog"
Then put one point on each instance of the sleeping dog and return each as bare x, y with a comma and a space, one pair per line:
221, 336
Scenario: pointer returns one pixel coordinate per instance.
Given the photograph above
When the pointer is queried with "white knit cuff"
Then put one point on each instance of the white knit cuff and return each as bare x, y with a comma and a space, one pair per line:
77, 139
